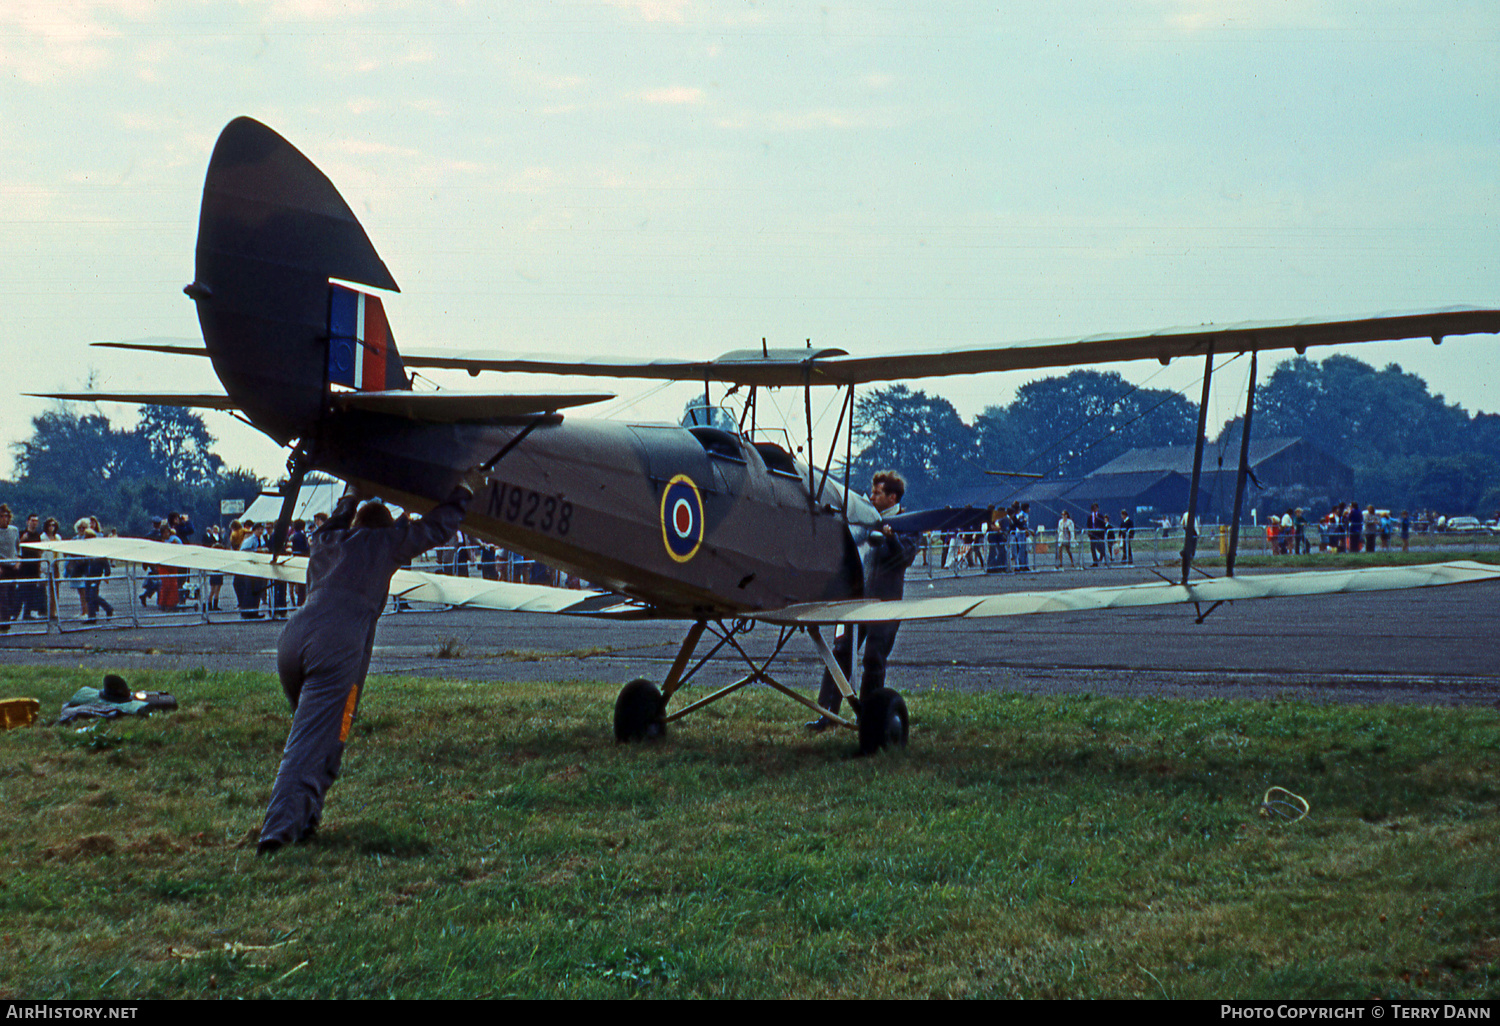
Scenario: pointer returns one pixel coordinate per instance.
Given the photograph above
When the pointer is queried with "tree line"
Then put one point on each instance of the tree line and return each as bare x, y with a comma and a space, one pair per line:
1057, 427
79, 464
1407, 447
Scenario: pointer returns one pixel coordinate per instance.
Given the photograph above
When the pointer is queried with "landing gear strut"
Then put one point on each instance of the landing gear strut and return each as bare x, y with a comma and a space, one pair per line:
641, 709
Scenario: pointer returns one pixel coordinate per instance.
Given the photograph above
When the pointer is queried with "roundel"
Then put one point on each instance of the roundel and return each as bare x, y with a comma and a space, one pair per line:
681, 518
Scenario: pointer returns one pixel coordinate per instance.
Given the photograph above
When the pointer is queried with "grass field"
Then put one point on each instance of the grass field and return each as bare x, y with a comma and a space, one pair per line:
492, 840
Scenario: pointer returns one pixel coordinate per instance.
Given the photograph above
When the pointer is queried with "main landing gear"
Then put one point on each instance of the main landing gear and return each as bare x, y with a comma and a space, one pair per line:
640, 712
883, 722
641, 709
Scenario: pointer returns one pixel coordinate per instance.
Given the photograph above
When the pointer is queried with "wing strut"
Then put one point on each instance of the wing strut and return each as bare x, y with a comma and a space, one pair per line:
847, 406
812, 458
1239, 478
1190, 528
296, 465
505, 449
848, 451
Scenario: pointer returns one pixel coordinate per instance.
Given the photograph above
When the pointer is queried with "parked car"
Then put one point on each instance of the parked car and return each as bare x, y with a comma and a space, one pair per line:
1462, 524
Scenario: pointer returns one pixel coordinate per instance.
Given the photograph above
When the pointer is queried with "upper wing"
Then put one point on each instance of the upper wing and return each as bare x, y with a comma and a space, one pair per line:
836, 367
1072, 600
414, 585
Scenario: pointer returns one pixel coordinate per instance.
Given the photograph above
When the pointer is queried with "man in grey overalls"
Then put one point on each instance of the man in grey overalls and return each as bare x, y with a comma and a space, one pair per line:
324, 652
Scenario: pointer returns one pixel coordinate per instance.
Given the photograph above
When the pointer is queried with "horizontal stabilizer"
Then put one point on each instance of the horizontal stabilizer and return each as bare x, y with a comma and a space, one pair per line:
412, 585
170, 346
189, 400
1163, 593
836, 367
449, 407
431, 407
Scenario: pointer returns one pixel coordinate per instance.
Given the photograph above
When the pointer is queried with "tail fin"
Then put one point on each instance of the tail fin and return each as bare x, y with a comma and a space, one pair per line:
273, 230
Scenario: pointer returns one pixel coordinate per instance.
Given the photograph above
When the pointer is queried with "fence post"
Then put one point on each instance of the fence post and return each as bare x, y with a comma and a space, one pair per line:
131, 595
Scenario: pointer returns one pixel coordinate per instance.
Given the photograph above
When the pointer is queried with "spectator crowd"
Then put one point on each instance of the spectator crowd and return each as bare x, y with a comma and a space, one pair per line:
1009, 542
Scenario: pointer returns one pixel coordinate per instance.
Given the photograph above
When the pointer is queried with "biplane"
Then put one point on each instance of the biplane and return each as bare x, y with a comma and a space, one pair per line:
706, 523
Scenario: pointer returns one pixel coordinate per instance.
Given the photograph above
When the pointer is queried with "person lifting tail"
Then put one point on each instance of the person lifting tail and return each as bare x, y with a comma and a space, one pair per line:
324, 651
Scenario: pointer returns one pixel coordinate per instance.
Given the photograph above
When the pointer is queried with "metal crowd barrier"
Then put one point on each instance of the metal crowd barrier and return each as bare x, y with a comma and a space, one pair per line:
473, 561
130, 595
967, 553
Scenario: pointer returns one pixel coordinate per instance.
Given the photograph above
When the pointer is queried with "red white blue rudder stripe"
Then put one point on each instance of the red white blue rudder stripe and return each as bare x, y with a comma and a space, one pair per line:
361, 352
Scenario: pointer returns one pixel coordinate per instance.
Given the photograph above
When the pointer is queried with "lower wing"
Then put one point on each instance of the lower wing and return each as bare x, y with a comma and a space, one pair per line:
1163, 593
412, 585
477, 593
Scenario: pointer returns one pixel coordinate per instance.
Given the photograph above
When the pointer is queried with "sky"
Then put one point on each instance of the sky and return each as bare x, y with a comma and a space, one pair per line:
684, 178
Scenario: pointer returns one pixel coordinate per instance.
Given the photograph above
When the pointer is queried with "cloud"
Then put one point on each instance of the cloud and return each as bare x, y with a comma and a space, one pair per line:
673, 95
674, 11
1245, 15
806, 120
278, 11
526, 76
43, 43
532, 180
365, 147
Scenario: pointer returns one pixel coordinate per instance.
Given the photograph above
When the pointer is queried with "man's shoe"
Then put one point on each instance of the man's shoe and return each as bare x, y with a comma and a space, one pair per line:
818, 725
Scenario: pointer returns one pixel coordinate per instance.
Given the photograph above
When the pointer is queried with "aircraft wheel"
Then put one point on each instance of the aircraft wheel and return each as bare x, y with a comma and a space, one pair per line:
882, 722
640, 712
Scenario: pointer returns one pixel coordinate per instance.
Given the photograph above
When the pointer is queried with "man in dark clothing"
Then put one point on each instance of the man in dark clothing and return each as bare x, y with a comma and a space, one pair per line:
893, 554
996, 535
298, 544
324, 652
32, 591
1097, 527
182, 527
1022, 520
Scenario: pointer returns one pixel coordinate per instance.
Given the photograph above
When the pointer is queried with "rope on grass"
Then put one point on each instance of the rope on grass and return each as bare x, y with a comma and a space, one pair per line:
1291, 811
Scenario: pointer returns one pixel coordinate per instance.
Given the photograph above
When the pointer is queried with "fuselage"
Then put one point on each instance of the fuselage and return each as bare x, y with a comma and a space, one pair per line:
694, 522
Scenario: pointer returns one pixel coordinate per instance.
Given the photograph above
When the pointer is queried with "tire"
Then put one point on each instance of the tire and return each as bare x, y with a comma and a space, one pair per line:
883, 722
640, 712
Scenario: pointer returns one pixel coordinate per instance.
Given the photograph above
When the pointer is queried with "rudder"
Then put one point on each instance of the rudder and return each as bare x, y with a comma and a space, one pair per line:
271, 233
